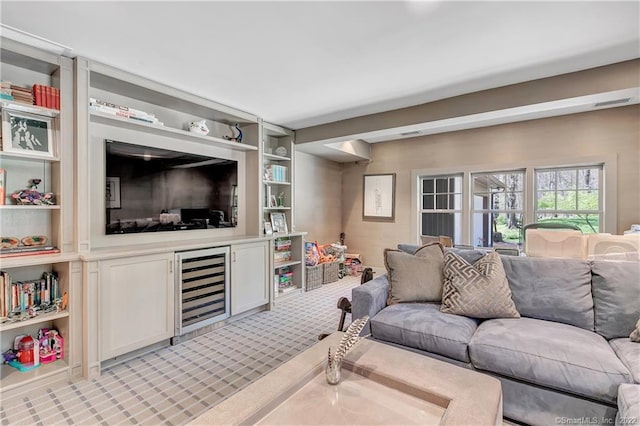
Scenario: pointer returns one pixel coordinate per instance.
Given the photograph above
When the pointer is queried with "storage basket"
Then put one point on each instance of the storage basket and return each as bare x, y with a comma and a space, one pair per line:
314, 276
330, 272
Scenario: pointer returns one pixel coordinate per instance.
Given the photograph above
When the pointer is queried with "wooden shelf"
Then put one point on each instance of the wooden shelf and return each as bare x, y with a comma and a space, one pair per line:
28, 156
276, 157
28, 207
37, 259
277, 208
273, 182
36, 320
32, 109
12, 377
111, 120
278, 265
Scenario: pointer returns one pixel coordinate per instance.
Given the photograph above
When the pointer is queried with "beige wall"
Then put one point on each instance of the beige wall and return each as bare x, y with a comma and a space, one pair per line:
318, 197
596, 133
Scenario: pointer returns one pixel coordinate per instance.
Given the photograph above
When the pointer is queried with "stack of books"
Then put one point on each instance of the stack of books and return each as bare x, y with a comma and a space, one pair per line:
5, 91
19, 296
21, 95
27, 251
46, 96
275, 173
123, 111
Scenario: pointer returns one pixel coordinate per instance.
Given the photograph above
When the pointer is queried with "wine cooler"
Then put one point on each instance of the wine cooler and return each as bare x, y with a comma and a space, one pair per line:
202, 288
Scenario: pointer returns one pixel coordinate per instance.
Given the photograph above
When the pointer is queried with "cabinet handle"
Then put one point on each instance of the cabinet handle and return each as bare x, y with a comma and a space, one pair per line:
233, 256
171, 266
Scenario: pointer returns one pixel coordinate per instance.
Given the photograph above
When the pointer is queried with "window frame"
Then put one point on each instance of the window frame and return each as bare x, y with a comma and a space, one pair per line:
435, 194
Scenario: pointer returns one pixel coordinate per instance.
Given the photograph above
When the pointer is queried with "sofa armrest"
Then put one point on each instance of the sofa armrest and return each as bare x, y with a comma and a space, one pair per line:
369, 299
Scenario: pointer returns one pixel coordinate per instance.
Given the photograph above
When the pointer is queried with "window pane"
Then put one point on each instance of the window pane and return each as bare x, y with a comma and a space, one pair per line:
566, 179
588, 200
446, 224
546, 200
427, 186
545, 180
427, 202
589, 224
442, 185
490, 229
589, 178
567, 200
514, 201
457, 201
515, 181
442, 202
497, 201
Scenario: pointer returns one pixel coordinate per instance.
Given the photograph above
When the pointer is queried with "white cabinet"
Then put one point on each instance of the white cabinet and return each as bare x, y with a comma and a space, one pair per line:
249, 284
136, 303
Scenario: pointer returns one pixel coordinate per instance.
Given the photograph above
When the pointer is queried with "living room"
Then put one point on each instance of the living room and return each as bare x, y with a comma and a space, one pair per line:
524, 108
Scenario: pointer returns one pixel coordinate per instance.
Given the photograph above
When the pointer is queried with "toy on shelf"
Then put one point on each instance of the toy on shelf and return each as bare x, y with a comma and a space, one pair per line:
32, 196
27, 353
51, 345
236, 138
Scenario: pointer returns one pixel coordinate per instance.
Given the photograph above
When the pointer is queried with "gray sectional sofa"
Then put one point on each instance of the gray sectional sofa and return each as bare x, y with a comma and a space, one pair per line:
564, 359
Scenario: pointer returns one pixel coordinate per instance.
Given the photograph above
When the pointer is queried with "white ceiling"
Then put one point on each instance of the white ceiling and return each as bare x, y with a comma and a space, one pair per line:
299, 64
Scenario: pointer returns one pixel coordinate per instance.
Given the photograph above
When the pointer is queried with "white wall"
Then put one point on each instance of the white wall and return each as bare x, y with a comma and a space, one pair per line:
318, 197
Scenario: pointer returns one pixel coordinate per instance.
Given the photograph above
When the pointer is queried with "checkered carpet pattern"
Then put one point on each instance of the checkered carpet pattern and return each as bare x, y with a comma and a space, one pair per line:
173, 385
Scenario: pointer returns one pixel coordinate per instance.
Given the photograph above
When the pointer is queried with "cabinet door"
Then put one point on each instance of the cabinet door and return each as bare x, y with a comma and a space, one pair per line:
136, 303
249, 283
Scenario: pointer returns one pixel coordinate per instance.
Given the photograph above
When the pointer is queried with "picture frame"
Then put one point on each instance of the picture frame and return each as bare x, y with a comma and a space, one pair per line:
268, 230
112, 192
28, 134
378, 201
279, 222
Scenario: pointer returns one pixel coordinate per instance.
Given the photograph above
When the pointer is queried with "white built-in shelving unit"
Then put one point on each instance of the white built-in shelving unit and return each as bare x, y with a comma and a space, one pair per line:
24, 66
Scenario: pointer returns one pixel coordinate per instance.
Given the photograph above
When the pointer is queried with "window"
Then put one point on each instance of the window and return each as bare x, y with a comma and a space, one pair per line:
489, 207
570, 195
497, 206
441, 212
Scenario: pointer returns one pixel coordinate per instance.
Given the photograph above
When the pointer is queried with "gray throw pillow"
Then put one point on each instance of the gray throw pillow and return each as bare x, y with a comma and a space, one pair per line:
478, 291
635, 334
414, 278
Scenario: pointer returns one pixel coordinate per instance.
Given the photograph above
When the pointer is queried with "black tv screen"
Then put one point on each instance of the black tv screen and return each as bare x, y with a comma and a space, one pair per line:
151, 189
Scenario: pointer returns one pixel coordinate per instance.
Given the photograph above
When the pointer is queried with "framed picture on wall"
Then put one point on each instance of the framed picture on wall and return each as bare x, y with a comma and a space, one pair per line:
26, 133
378, 200
112, 193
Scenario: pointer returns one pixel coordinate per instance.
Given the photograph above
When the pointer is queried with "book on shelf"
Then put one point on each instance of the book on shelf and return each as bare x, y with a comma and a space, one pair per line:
46, 96
124, 113
16, 252
20, 296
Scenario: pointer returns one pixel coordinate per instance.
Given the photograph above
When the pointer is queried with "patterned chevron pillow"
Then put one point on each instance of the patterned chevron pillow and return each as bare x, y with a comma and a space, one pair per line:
478, 291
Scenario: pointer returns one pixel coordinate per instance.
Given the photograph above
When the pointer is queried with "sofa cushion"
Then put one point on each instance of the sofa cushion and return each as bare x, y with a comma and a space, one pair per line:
551, 289
423, 326
616, 291
550, 354
628, 405
629, 354
414, 278
478, 291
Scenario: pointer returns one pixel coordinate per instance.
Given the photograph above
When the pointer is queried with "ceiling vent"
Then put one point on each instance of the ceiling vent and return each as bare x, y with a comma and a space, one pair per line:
614, 102
414, 133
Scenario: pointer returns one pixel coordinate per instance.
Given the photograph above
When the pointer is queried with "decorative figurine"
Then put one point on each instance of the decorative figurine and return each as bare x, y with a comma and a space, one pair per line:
199, 127
238, 137
333, 371
33, 196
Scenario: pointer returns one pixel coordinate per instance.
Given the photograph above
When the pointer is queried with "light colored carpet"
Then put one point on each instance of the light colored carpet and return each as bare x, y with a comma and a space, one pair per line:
176, 384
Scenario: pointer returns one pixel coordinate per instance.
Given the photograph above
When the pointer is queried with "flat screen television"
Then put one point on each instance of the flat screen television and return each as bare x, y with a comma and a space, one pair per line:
152, 189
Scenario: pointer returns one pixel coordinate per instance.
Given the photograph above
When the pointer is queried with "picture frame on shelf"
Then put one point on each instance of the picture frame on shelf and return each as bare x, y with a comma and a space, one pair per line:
268, 230
378, 201
279, 222
112, 192
25, 133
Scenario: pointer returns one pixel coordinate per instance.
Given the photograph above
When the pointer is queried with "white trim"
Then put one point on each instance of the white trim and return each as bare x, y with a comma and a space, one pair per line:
609, 188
